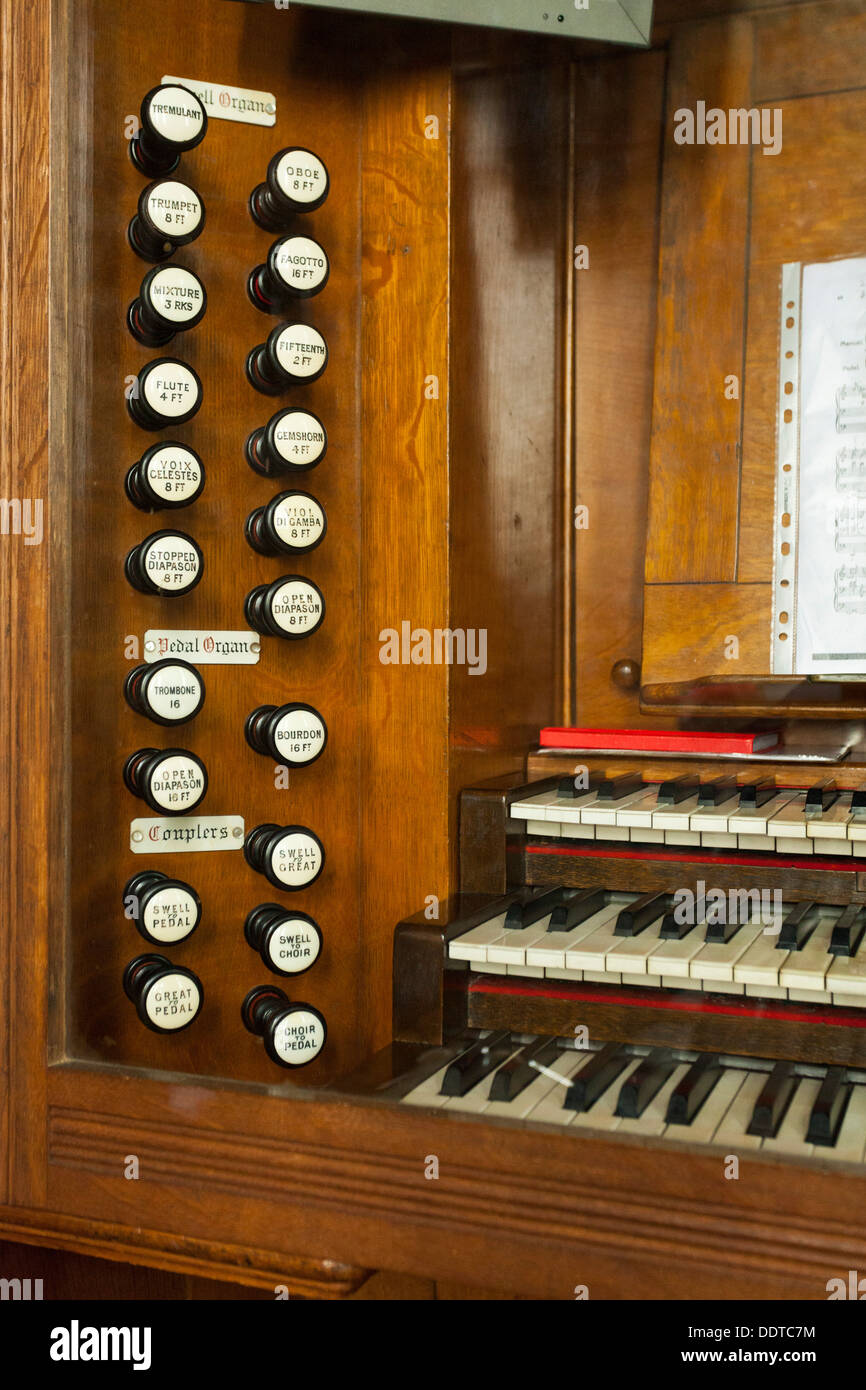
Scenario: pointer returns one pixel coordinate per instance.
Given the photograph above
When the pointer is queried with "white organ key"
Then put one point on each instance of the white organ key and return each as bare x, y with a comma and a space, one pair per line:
851, 1142
807, 968
847, 974
549, 1109
714, 819
566, 1065
630, 956
833, 824
427, 1093
732, 1130
857, 832
533, 972
712, 1112
638, 812
652, 1121
590, 954
671, 959
790, 823
846, 847
675, 982
755, 820
571, 830
677, 817
656, 837
474, 943
550, 950
761, 963
785, 846
682, 837
718, 840
475, 1101
791, 1138
756, 842
535, 807
606, 812
510, 947
716, 960
602, 977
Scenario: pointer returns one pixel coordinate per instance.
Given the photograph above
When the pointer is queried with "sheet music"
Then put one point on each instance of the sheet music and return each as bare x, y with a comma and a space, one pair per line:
831, 520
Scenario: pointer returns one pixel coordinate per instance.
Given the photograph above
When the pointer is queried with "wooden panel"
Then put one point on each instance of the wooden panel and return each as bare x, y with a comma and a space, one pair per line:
694, 490
688, 627
617, 130
809, 48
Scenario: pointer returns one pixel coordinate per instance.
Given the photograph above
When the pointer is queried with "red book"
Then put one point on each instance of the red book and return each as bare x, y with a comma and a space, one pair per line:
687, 743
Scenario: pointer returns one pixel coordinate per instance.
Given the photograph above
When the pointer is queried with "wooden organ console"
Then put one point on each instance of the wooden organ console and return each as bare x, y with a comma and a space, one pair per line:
379, 393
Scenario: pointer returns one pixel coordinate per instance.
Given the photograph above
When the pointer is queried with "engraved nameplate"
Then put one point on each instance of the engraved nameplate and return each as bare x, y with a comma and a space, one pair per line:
224, 103
203, 647
185, 834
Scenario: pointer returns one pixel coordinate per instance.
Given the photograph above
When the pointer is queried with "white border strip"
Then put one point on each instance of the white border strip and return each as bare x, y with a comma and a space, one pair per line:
783, 654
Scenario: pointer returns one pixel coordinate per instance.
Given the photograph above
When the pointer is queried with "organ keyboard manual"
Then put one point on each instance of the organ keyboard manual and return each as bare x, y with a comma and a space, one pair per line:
433, 644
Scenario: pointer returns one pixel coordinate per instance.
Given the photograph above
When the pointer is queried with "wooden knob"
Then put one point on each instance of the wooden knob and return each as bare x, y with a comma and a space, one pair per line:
626, 673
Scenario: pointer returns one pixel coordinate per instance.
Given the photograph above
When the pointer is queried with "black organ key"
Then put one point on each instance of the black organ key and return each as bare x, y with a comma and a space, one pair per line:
168, 475
674, 930
515, 1075
717, 791
797, 927
291, 442
520, 915
583, 905
297, 267
291, 607
165, 393
641, 914
858, 803
167, 997
171, 300
295, 354
171, 781
167, 692
579, 786
173, 120
594, 1078
296, 181
294, 735
720, 933
293, 1033
169, 215
644, 1082
678, 789
624, 784
475, 1063
168, 563
848, 931
828, 1112
291, 857
772, 1104
693, 1089
821, 797
292, 523
755, 794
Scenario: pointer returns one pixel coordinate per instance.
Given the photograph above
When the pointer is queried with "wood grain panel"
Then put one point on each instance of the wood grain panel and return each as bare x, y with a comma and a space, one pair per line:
687, 627
694, 460
804, 49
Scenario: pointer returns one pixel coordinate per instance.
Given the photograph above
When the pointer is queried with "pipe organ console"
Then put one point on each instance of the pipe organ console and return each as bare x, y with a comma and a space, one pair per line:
388, 391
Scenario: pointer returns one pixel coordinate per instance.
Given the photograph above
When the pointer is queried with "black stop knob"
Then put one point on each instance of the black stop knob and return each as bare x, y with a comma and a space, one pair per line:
166, 392
290, 856
167, 997
294, 735
291, 524
171, 300
296, 181
292, 441
167, 475
294, 354
293, 1034
168, 692
168, 563
292, 607
172, 120
165, 910
170, 214
297, 268
289, 943
171, 781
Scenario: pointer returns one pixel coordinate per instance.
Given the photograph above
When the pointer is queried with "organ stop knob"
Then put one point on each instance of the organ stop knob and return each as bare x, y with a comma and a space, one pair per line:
289, 943
293, 1034
297, 268
173, 120
171, 781
165, 910
167, 997
168, 692
170, 214
294, 734
291, 523
167, 563
167, 475
171, 300
294, 353
290, 856
290, 607
166, 392
291, 441
296, 181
